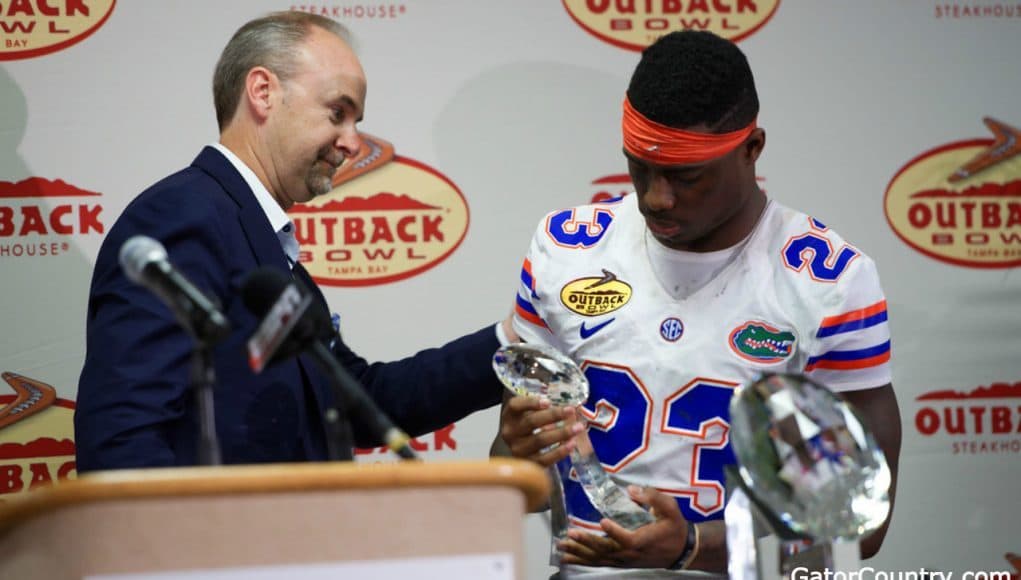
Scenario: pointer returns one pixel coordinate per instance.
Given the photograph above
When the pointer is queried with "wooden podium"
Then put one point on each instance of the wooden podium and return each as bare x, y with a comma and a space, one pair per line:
186, 522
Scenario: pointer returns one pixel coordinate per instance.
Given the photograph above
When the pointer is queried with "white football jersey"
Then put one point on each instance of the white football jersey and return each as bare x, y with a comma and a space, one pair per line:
794, 298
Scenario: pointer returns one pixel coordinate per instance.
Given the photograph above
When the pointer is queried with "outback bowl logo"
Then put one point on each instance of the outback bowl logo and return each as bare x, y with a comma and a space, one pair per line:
596, 295
961, 203
38, 216
761, 343
38, 27
387, 218
36, 436
984, 420
635, 24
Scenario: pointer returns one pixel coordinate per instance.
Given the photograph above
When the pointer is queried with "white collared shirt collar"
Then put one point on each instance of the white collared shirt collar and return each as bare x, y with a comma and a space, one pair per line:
278, 218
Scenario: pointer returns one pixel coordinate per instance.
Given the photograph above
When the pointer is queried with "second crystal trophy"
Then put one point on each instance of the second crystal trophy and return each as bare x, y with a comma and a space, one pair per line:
542, 371
811, 466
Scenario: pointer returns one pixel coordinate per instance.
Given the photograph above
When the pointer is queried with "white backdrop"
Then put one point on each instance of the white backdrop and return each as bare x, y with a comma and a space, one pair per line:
517, 105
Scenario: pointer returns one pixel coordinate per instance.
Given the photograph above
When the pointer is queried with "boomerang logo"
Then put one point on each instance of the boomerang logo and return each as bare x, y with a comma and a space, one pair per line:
31, 397
1005, 145
960, 202
373, 154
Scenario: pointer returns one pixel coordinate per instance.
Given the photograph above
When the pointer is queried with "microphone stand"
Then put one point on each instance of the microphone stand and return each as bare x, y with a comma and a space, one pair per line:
339, 439
351, 397
207, 332
203, 376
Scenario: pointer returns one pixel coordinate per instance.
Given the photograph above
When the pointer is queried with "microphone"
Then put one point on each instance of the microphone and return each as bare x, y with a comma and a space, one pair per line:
293, 322
145, 262
269, 344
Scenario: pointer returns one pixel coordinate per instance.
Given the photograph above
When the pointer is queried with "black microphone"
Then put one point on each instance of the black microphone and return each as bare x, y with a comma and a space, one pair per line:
305, 326
145, 262
284, 331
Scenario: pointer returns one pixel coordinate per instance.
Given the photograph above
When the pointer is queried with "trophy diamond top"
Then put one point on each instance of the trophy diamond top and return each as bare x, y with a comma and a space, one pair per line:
805, 455
540, 370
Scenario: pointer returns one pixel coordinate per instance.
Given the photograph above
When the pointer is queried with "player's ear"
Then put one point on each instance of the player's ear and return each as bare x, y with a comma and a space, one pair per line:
753, 145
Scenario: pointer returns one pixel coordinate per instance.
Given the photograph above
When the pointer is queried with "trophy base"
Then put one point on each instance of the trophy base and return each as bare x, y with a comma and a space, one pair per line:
755, 551
825, 557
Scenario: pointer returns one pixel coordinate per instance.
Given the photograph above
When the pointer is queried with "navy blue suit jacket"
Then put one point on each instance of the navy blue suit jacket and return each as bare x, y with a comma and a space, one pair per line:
134, 406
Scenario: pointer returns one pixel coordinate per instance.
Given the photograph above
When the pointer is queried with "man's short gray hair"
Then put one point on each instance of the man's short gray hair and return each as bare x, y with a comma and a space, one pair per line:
272, 42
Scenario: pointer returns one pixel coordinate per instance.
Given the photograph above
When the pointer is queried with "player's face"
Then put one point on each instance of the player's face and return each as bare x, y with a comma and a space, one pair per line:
703, 207
314, 125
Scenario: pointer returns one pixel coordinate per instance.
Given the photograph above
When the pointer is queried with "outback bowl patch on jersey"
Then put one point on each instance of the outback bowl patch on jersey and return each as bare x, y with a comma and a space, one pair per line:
596, 295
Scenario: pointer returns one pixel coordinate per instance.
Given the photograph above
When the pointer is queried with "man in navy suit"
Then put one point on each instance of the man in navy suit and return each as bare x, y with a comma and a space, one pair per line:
288, 92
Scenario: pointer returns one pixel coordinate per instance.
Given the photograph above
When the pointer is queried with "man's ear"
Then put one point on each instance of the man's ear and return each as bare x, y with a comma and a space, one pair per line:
260, 84
754, 144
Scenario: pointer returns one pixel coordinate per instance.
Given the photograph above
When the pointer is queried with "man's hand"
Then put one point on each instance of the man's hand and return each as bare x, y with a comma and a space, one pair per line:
656, 545
530, 425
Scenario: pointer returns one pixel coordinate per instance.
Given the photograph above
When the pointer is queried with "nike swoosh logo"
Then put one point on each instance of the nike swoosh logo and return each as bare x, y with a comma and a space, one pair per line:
587, 332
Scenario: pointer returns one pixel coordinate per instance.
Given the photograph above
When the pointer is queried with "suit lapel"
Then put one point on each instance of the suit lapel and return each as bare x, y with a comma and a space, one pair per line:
301, 274
267, 251
319, 389
261, 237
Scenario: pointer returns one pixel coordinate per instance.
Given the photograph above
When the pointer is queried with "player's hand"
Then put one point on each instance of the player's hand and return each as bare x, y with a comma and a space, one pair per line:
530, 425
656, 545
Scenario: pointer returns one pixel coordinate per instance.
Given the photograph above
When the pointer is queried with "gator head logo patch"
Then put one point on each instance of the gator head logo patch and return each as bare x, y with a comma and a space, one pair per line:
762, 343
596, 295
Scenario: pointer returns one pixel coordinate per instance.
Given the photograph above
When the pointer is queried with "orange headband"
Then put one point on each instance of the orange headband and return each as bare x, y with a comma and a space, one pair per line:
664, 145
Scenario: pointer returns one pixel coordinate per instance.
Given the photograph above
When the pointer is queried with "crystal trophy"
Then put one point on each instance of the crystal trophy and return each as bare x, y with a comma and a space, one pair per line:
809, 466
536, 370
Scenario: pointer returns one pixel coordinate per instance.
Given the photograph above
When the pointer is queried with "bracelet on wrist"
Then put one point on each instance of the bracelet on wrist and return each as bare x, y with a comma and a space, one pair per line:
690, 549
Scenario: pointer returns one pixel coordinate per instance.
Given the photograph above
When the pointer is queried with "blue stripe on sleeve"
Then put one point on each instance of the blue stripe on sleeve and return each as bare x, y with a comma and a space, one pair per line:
526, 305
877, 318
851, 354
